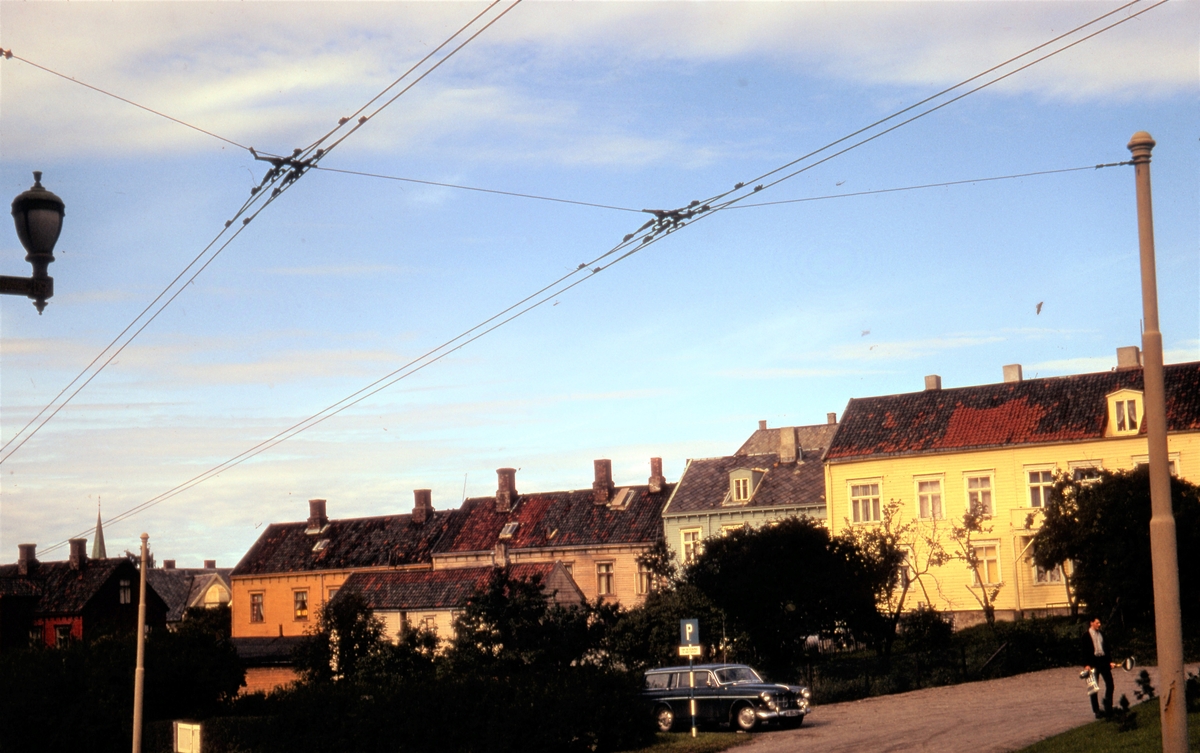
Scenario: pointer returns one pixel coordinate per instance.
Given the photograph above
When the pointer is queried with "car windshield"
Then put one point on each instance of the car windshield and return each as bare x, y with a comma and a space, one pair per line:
737, 674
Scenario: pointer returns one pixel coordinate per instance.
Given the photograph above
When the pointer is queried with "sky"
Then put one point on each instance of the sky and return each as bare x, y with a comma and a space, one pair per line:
781, 312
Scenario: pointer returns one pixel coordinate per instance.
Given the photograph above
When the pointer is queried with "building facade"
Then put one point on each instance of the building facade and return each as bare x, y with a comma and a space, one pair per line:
776, 474
997, 448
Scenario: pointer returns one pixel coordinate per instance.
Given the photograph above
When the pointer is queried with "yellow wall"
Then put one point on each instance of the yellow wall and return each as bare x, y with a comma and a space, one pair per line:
948, 589
581, 562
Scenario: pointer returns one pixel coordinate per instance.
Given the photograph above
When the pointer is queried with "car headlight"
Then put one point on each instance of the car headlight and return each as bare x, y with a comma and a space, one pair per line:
806, 693
770, 700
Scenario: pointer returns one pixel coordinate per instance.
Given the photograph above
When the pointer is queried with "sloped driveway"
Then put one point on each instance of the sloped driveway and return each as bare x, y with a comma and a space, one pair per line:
994, 715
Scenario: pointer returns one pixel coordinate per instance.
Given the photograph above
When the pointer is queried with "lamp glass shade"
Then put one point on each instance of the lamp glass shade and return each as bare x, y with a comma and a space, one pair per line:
38, 228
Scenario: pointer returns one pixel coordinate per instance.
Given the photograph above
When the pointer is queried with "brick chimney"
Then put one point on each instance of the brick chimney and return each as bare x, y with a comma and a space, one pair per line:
1012, 372
26, 559
500, 555
933, 382
316, 516
657, 481
1129, 357
787, 444
422, 506
831, 418
78, 557
506, 489
602, 487
210, 564
762, 424
168, 564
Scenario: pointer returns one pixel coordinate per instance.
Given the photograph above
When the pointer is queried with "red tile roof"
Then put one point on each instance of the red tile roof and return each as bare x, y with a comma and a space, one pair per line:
1034, 411
559, 519
388, 540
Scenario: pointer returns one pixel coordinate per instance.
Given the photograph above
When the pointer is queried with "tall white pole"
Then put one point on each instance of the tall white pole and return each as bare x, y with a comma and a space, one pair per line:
139, 677
1163, 555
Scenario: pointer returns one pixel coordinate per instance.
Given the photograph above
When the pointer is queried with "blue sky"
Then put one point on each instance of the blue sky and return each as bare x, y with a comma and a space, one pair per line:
780, 312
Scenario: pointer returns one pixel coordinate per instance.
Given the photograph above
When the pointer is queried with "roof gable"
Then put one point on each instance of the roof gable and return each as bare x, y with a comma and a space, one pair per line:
1035, 411
62, 589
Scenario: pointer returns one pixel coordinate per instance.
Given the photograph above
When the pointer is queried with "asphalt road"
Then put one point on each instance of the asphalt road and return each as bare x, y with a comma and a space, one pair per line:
995, 715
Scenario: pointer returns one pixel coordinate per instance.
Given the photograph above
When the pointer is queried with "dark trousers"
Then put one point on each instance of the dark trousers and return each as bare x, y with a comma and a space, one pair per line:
1103, 671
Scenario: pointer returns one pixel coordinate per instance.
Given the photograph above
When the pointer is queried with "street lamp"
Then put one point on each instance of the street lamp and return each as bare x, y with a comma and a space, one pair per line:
38, 215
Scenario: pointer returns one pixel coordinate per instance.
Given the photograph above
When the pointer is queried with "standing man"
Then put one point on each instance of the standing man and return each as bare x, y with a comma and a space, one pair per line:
1098, 656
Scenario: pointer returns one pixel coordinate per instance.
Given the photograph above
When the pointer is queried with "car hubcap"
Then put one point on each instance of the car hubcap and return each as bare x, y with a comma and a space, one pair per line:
745, 717
665, 719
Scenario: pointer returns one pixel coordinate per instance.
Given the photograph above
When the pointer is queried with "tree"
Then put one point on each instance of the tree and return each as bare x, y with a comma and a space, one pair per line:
899, 554
983, 587
511, 624
781, 584
1103, 529
648, 635
345, 634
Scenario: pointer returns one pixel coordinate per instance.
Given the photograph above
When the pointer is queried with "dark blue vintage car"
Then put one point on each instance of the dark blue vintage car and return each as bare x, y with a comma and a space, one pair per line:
731, 694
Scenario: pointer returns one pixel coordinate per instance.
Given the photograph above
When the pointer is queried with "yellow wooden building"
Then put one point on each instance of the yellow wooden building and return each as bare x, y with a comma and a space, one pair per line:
997, 447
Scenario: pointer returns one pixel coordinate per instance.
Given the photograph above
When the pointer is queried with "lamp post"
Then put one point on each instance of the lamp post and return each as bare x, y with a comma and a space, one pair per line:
1164, 556
38, 215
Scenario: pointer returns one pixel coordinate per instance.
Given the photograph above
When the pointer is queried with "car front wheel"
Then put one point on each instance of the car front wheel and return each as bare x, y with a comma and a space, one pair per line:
664, 718
745, 718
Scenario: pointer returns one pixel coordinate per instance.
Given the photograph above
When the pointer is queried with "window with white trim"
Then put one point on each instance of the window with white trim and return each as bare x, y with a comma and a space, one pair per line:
1041, 481
1172, 462
691, 546
1085, 471
125, 595
300, 605
987, 556
929, 498
979, 493
645, 579
1126, 411
604, 579
741, 489
864, 502
256, 607
1041, 576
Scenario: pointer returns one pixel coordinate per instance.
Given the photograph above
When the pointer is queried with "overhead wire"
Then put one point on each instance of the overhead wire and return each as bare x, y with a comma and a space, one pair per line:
10, 55
278, 181
665, 223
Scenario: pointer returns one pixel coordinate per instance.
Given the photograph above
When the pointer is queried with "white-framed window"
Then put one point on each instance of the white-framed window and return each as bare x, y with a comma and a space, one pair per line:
429, 622
1172, 461
300, 605
1044, 577
691, 545
1040, 481
509, 530
741, 489
125, 594
570, 568
987, 554
979, 492
645, 580
1126, 411
1085, 471
62, 635
604, 579
864, 501
256, 607
929, 498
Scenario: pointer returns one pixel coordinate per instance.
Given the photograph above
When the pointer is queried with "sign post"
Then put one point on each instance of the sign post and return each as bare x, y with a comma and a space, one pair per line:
689, 646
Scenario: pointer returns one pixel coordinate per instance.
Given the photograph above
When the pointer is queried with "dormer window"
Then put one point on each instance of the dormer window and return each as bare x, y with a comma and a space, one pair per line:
1126, 411
509, 530
742, 483
741, 489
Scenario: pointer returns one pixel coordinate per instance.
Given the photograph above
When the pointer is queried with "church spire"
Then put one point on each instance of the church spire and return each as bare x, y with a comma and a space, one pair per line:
98, 552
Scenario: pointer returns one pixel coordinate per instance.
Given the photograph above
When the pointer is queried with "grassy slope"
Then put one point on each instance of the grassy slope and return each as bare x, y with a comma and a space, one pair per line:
1104, 737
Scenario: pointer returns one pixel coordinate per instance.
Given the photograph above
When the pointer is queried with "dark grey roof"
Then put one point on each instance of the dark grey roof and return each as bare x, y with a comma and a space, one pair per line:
811, 438
179, 586
704, 485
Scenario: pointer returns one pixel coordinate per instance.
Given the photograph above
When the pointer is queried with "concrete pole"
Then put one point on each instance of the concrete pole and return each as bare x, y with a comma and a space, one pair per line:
1167, 620
139, 677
